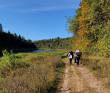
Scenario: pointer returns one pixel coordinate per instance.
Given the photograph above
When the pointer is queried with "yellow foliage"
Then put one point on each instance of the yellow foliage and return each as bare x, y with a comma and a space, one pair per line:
84, 26
83, 30
83, 19
84, 8
81, 44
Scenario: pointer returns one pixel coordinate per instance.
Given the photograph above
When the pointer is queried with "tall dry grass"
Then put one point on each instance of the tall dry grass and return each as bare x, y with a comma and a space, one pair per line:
99, 66
39, 76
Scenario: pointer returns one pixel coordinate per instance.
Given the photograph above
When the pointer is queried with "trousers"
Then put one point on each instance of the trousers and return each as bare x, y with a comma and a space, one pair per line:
77, 60
70, 61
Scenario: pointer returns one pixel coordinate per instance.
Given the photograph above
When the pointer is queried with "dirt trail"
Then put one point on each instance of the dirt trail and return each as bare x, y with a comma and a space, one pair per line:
80, 80
65, 88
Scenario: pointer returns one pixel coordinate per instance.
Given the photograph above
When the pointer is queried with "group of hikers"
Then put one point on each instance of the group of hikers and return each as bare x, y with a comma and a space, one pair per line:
76, 55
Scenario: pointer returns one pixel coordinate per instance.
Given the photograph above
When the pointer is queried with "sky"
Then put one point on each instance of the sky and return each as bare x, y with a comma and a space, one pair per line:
37, 19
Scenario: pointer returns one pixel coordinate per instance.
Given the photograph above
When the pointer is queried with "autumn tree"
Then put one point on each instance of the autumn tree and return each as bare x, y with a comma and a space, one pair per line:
91, 27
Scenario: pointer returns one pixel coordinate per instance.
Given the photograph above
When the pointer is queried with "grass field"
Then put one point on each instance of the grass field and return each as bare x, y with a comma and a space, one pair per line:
41, 72
31, 72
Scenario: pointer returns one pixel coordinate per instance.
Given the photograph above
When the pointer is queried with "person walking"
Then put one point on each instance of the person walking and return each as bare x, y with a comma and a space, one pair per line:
66, 55
77, 56
70, 57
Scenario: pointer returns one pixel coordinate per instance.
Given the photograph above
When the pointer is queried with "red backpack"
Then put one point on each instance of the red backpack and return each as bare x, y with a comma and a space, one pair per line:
78, 54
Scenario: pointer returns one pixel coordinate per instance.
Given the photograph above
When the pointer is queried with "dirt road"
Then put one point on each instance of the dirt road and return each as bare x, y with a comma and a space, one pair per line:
80, 80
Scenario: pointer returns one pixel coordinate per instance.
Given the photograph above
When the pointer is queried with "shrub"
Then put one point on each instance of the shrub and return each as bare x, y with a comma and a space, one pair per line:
8, 61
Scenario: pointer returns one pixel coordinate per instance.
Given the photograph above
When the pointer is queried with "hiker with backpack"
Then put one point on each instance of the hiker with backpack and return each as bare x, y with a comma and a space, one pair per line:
66, 55
77, 56
70, 56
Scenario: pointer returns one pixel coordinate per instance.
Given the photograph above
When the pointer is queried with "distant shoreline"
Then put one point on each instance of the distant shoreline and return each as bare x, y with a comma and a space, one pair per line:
19, 50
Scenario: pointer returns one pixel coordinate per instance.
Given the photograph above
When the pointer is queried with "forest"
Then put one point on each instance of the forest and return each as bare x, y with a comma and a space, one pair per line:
91, 27
56, 43
11, 41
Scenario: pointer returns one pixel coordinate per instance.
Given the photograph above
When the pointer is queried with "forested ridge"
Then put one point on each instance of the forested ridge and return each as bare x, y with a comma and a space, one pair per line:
91, 27
12, 41
56, 43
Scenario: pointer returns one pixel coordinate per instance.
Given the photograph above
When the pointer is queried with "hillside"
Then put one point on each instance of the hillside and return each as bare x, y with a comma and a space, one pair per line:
13, 42
56, 43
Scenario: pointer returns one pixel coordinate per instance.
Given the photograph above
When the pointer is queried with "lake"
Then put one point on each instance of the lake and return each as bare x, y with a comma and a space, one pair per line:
43, 50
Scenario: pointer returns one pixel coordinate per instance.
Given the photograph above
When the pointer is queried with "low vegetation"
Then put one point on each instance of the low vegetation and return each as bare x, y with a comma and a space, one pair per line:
99, 66
30, 72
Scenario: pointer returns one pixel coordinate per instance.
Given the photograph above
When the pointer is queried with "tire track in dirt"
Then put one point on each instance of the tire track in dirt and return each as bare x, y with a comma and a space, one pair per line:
92, 81
73, 83
65, 88
77, 83
80, 80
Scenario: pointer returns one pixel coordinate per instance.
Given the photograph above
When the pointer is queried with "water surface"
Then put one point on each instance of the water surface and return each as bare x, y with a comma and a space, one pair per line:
43, 50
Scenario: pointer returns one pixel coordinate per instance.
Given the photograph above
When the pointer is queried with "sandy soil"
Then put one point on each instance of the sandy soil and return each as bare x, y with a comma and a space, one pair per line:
65, 88
80, 80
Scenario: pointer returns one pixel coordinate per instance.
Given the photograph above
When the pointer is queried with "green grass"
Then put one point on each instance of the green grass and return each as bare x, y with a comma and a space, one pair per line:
31, 72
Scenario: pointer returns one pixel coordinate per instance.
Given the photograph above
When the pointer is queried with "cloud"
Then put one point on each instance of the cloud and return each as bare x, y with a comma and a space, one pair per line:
5, 29
10, 4
49, 8
7, 5
3, 6
27, 6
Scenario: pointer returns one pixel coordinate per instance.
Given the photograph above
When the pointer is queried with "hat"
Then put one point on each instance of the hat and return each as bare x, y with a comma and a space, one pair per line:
78, 51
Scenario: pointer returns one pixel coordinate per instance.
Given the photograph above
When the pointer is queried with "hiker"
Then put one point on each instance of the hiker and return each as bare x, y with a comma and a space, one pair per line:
77, 56
70, 56
66, 54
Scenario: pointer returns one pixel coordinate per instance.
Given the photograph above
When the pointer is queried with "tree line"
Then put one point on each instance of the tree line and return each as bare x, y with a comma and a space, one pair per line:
91, 27
12, 41
56, 43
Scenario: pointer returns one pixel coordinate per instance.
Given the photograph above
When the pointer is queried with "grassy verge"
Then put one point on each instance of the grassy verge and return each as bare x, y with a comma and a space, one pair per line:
31, 72
99, 66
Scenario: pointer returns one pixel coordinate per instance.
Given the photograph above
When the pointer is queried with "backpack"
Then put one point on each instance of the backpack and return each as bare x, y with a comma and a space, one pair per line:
71, 53
78, 54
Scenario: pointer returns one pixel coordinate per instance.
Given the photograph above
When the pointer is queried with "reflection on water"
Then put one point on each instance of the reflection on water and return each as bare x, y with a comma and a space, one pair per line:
43, 50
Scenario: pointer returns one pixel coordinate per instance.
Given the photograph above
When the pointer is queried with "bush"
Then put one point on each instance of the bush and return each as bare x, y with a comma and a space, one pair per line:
8, 61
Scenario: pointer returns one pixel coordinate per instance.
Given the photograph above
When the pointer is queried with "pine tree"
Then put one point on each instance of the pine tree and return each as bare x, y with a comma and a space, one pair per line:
1, 30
